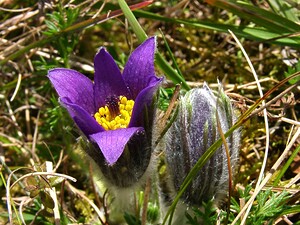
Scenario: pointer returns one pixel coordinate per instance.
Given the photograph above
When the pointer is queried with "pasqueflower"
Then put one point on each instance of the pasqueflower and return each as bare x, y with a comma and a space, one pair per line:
115, 112
194, 130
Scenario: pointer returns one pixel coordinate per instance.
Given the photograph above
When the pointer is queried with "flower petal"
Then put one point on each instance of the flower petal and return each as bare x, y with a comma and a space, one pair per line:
139, 70
86, 123
108, 79
74, 86
144, 99
113, 142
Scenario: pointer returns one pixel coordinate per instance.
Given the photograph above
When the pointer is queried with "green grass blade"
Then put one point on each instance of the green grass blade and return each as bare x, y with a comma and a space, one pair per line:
284, 9
259, 16
286, 166
170, 72
171, 54
136, 27
252, 33
142, 36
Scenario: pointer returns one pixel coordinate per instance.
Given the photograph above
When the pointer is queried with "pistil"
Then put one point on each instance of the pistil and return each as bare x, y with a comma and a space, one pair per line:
113, 106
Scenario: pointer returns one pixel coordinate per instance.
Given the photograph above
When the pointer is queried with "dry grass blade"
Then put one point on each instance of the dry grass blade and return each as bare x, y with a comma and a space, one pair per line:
52, 192
67, 177
227, 156
9, 186
293, 122
36, 36
269, 174
266, 125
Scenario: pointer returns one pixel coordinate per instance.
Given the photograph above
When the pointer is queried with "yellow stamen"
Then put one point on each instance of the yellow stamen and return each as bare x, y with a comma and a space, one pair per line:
109, 121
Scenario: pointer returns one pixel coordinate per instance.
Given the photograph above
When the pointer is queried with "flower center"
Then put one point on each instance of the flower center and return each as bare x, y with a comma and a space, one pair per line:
115, 114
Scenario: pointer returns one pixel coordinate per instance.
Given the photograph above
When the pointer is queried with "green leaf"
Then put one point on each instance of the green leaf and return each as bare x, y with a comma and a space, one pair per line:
131, 220
292, 70
51, 26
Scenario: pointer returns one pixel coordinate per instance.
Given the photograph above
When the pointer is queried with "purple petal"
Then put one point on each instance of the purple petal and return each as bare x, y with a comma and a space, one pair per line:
74, 86
86, 123
113, 142
139, 70
108, 79
144, 99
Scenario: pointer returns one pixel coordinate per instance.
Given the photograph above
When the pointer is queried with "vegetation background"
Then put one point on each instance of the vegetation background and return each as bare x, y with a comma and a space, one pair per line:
37, 136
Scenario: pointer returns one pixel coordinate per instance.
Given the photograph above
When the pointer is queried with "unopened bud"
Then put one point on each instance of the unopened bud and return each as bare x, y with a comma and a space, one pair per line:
192, 133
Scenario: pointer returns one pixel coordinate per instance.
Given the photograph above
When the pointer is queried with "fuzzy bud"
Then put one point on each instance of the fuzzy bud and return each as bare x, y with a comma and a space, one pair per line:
191, 134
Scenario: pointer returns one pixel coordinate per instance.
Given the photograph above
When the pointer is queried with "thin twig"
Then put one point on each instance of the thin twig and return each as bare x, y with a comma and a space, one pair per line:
288, 89
92, 204
35, 136
146, 200
171, 105
13, 118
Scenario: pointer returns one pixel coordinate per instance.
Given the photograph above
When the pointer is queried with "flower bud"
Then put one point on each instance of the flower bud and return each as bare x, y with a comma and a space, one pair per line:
194, 130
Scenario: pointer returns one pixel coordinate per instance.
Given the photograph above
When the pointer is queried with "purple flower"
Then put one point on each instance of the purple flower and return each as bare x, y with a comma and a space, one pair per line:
116, 111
